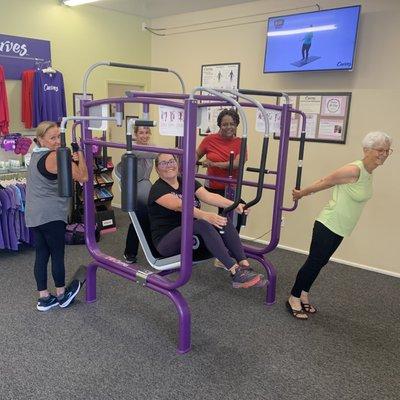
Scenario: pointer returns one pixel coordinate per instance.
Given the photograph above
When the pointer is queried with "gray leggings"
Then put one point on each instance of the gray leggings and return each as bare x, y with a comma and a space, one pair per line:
227, 247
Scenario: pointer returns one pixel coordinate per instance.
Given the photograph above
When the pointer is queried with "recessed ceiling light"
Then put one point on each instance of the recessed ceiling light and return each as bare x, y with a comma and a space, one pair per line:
73, 3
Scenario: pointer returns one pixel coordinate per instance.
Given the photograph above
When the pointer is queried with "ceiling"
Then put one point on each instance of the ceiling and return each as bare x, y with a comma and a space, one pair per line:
163, 8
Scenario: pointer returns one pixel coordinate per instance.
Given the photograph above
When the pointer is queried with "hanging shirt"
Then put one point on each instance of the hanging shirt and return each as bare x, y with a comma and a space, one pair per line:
4, 115
49, 97
28, 78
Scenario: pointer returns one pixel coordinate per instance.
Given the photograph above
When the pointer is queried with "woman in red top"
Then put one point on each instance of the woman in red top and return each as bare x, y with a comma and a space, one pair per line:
217, 147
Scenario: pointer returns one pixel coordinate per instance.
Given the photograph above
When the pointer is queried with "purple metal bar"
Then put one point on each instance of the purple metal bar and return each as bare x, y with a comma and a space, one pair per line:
181, 305
143, 100
228, 180
135, 146
280, 186
159, 282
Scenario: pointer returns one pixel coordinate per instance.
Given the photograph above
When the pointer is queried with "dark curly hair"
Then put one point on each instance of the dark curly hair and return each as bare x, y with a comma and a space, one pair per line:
232, 113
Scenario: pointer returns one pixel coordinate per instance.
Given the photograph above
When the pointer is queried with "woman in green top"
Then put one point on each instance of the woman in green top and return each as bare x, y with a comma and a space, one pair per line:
352, 189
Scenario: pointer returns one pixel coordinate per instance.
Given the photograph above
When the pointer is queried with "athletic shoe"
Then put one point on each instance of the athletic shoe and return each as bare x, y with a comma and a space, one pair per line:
45, 303
245, 278
130, 259
263, 280
70, 292
218, 264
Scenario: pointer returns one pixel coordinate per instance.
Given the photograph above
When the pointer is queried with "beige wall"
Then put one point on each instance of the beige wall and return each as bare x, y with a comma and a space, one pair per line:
375, 87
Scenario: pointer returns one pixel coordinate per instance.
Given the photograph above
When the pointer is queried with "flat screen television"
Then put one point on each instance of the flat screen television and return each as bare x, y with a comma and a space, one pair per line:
314, 41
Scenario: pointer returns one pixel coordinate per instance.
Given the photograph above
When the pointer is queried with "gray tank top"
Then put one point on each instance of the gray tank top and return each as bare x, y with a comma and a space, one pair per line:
42, 201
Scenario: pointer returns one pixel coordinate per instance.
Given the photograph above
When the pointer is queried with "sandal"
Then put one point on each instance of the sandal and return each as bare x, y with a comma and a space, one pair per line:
296, 313
307, 308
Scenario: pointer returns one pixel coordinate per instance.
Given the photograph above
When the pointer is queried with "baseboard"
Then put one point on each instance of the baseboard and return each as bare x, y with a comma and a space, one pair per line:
338, 260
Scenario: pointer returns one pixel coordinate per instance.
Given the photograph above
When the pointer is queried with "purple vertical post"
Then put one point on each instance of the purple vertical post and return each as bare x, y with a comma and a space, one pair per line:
188, 162
89, 208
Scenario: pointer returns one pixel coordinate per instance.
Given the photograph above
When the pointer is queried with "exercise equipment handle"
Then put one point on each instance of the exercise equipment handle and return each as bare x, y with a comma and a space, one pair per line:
264, 93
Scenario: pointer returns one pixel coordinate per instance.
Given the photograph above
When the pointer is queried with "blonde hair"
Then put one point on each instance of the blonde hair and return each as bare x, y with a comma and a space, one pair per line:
42, 128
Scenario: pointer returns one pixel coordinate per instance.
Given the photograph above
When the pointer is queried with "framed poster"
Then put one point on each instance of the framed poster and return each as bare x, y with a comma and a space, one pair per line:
327, 116
218, 76
77, 97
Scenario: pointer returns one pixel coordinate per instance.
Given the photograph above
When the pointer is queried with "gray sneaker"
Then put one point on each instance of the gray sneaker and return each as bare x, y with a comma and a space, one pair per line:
245, 278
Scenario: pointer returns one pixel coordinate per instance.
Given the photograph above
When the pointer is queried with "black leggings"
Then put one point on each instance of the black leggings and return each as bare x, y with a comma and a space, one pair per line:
227, 247
323, 244
305, 49
49, 241
239, 217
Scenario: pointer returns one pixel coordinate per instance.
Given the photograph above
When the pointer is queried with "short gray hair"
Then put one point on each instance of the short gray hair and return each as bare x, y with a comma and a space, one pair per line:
374, 138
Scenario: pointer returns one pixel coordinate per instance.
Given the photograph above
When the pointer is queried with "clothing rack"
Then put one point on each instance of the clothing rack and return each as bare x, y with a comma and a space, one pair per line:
5, 176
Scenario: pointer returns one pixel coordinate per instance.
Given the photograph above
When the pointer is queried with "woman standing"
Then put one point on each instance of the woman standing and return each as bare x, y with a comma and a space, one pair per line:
144, 168
165, 206
352, 189
46, 213
217, 148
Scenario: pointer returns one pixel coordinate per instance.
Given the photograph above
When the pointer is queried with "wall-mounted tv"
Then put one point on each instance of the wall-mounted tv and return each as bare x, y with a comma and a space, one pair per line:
314, 41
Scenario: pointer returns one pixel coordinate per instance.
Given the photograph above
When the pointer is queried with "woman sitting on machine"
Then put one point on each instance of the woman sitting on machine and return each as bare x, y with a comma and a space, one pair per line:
165, 206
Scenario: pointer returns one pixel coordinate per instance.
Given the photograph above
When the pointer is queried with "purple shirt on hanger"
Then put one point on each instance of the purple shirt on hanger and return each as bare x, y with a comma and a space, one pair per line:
49, 97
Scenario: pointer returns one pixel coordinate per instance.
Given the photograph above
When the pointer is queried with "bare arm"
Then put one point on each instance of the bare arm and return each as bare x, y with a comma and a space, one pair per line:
214, 199
174, 203
222, 164
79, 170
343, 175
199, 153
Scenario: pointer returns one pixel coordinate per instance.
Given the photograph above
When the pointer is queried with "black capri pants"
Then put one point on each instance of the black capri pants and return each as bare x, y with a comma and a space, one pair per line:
323, 244
49, 241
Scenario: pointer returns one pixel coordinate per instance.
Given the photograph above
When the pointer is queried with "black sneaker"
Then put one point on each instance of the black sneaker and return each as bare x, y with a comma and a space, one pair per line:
70, 292
45, 303
130, 259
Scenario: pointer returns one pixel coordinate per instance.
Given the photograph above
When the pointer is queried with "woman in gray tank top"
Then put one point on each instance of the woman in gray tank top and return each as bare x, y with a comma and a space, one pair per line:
46, 214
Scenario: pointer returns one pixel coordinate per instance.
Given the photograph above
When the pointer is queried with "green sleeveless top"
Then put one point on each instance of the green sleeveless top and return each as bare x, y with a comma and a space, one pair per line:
341, 214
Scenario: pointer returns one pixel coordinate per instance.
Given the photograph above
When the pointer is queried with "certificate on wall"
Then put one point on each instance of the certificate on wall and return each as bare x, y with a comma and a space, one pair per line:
326, 113
217, 76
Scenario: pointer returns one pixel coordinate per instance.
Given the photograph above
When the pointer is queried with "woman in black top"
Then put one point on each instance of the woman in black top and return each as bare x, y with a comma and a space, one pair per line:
165, 206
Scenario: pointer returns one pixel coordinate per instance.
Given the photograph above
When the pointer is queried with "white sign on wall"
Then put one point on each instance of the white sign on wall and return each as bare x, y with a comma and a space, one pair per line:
170, 121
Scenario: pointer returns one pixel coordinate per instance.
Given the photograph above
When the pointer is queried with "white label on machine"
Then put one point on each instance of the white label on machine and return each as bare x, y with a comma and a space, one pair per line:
170, 121
274, 119
99, 111
107, 222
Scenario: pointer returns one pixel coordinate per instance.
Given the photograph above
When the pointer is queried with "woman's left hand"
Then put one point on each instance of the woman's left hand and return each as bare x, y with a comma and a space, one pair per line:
207, 163
75, 156
241, 210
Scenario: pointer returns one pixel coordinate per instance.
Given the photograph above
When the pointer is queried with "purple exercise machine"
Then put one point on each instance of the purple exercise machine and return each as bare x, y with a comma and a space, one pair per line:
159, 281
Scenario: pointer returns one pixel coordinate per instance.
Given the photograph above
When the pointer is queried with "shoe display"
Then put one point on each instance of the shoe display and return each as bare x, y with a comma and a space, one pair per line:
244, 278
70, 292
45, 303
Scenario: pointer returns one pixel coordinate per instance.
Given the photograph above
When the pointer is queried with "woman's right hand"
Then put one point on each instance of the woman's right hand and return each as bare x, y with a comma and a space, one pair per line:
215, 219
297, 194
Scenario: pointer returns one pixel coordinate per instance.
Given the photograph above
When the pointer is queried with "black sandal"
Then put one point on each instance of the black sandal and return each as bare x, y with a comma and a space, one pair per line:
307, 308
296, 313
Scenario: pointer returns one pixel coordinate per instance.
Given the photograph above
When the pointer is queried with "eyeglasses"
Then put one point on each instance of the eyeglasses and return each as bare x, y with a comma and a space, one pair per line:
166, 164
387, 152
